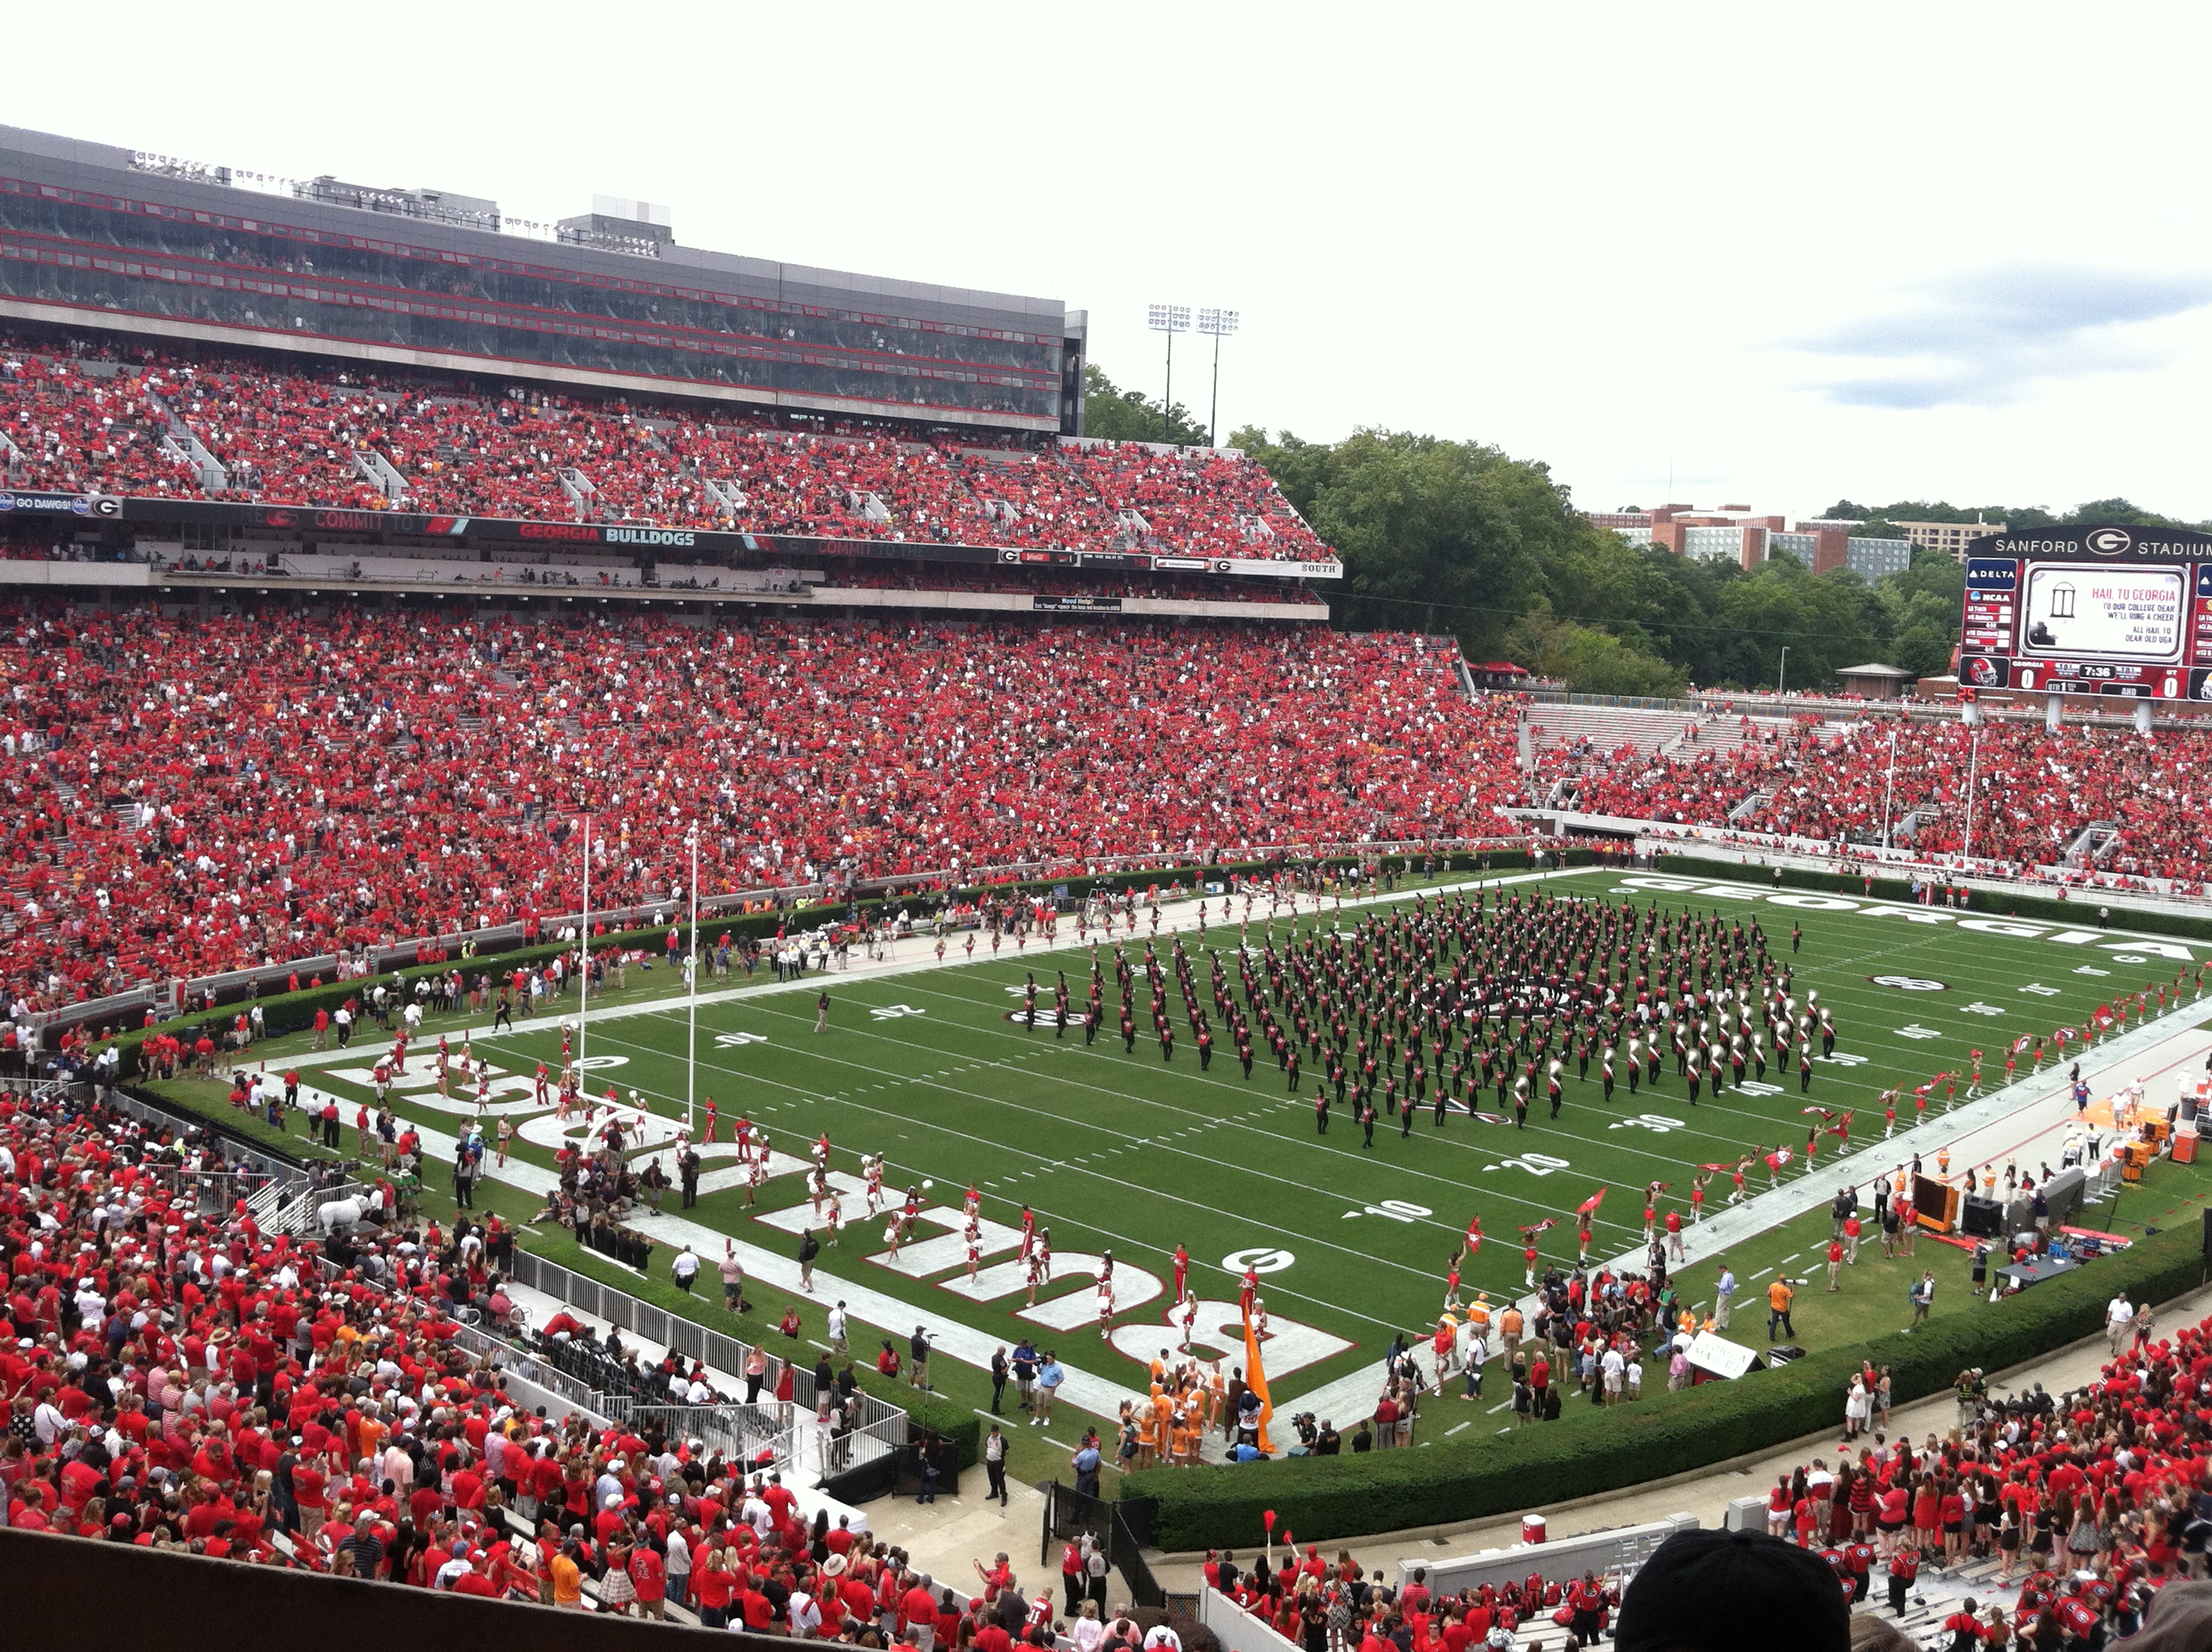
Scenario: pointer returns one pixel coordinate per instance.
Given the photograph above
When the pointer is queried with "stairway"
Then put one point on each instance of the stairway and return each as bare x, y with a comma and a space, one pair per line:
2091, 843
378, 471
178, 443
1751, 805
1913, 821
579, 487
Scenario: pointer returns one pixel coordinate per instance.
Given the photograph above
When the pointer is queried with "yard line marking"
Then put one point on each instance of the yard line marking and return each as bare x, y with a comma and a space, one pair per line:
1790, 1258
1761, 1274
1450, 1431
1499, 1406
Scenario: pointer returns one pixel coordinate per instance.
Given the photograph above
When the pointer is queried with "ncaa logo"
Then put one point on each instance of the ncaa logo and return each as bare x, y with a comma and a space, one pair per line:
2107, 542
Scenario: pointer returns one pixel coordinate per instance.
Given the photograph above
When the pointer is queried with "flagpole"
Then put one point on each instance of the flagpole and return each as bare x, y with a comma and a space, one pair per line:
584, 974
691, 1057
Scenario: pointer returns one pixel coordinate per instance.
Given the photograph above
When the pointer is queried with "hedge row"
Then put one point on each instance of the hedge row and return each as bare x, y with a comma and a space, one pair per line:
956, 1423
1664, 1434
291, 1012
2002, 902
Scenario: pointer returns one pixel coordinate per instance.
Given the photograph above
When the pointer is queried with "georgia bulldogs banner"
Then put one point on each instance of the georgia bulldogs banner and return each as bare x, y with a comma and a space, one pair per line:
406, 525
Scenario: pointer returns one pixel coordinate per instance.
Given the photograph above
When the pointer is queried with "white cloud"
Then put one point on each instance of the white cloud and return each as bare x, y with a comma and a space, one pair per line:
1576, 234
1988, 338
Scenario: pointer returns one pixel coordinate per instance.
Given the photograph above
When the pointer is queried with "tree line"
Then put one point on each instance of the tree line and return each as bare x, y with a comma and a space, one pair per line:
1458, 537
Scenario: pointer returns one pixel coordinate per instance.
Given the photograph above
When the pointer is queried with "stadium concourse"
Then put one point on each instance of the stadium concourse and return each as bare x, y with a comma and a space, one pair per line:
289, 434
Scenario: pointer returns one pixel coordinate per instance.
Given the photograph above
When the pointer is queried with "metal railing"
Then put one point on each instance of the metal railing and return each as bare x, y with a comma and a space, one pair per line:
502, 1354
874, 1429
758, 1436
629, 1315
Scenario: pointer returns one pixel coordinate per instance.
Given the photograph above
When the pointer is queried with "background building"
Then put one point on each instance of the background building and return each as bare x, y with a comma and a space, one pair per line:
1733, 533
1952, 538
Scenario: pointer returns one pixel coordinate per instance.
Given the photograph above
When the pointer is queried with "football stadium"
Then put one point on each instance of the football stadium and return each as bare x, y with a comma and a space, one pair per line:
688, 942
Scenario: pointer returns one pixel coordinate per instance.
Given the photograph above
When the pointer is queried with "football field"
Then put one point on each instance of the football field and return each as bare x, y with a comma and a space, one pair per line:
1121, 1151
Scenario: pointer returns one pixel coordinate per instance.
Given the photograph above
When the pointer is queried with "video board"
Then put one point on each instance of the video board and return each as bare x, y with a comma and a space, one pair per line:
2114, 610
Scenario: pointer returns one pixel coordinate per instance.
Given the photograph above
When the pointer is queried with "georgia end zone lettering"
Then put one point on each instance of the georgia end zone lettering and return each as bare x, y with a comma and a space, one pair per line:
2011, 928
1143, 1321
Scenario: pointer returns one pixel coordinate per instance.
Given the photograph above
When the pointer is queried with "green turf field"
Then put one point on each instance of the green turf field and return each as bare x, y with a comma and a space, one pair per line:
1123, 1151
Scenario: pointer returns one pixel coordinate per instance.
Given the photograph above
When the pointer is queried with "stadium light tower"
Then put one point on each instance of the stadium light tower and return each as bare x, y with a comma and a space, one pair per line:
1217, 325
1170, 318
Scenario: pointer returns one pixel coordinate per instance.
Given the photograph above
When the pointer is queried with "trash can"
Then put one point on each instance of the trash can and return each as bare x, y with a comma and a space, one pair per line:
1532, 1528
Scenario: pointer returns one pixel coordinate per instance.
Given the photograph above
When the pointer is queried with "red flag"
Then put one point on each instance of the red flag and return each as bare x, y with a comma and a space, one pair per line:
2019, 1045
1842, 1127
1589, 1206
1728, 1164
1544, 1226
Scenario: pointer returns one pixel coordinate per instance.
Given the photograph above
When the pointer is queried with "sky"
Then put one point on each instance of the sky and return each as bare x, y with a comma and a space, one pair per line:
1719, 254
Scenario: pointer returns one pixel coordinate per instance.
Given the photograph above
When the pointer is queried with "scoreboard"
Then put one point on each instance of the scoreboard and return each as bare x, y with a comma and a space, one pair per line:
2124, 611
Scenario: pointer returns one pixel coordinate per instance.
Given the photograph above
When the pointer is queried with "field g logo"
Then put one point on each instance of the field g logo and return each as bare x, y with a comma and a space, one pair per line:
2108, 542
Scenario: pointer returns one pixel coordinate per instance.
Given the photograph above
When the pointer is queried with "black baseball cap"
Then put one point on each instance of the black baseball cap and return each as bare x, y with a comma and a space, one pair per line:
1705, 1591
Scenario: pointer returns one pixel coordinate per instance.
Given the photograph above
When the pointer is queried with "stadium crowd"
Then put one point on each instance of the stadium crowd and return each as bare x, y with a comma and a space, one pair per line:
294, 435
2089, 1501
2035, 789
186, 796
1321, 1604
178, 1379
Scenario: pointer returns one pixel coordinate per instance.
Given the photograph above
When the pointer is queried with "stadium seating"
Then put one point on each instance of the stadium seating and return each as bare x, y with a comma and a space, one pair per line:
2056, 1490
267, 785
68, 431
190, 1382
292, 435
2038, 790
